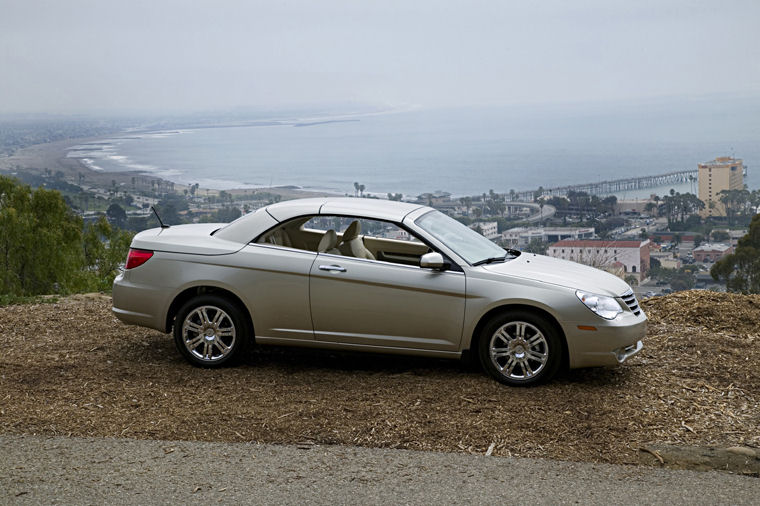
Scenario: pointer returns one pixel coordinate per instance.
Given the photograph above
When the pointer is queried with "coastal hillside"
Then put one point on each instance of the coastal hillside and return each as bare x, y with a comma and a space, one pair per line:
71, 368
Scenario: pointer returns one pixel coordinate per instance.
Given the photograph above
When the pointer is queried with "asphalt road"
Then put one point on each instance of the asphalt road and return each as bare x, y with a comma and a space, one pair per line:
47, 470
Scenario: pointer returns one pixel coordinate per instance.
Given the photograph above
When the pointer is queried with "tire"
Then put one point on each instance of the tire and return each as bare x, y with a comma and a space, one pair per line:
210, 331
520, 348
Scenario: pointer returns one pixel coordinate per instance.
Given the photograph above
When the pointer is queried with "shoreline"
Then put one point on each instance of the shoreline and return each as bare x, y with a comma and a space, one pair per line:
38, 159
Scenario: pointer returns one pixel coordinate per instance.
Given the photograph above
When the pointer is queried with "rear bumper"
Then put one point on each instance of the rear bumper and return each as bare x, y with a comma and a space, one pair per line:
137, 304
610, 344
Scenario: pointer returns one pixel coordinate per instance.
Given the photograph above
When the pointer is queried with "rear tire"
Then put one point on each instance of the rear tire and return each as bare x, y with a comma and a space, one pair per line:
520, 348
210, 331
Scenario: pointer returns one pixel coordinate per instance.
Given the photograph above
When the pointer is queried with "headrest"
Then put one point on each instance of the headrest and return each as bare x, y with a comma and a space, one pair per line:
328, 241
352, 231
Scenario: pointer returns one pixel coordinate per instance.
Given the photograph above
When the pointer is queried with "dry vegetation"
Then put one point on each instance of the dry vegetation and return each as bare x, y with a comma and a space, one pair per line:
70, 368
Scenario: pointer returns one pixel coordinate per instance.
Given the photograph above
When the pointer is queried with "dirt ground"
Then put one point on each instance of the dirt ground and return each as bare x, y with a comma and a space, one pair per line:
70, 368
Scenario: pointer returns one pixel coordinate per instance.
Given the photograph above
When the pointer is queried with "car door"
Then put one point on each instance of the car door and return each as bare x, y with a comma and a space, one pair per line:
275, 281
374, 303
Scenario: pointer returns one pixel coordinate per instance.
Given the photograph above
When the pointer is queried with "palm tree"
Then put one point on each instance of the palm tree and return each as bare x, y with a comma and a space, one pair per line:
467, 203
361, 189
356, 189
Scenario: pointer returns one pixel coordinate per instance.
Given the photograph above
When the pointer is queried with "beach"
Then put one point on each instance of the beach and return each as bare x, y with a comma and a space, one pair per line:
51, 158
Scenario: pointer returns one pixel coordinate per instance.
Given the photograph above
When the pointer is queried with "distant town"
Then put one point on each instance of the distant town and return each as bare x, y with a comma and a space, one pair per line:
658, 244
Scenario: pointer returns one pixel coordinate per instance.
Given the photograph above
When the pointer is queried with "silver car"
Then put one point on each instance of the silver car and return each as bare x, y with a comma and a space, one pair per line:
373, 275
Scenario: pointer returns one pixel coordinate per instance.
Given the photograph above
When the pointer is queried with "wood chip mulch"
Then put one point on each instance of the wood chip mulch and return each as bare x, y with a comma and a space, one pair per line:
70, 368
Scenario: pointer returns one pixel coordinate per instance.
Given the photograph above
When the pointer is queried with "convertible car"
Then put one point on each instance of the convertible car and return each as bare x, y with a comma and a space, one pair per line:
373, 275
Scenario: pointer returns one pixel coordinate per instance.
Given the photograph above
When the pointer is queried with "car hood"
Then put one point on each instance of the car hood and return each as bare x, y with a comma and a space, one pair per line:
195, 239
561, 272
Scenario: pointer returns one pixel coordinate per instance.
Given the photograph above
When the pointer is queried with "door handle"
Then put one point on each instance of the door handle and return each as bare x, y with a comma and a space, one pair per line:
332, 268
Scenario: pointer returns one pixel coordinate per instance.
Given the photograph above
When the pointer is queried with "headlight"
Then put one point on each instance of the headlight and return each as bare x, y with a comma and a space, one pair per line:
606, 307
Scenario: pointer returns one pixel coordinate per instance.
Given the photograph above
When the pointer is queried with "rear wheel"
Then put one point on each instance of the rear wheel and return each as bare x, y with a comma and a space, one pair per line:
520, 348
210, 331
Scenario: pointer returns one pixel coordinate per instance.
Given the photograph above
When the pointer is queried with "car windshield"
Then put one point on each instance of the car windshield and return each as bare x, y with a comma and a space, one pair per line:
464, 241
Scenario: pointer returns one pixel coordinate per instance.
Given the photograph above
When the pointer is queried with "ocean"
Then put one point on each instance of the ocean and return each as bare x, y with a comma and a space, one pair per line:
466, 151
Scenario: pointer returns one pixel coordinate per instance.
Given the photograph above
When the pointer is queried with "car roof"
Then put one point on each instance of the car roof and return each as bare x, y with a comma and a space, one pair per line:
247, 227
345, 206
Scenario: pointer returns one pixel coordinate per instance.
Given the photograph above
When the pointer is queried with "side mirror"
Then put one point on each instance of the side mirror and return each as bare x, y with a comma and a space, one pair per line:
431, 261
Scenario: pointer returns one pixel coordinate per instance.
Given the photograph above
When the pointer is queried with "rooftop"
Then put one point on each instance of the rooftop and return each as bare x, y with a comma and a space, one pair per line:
712, 247
723, 161
589, 243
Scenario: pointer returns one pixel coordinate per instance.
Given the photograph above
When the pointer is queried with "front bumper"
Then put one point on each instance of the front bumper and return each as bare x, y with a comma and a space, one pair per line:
612, 343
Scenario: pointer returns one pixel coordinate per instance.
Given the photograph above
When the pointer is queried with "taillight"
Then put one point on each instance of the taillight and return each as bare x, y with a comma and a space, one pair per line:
137, 257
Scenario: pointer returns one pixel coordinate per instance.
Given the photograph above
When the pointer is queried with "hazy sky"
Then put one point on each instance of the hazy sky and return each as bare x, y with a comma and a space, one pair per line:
134, 55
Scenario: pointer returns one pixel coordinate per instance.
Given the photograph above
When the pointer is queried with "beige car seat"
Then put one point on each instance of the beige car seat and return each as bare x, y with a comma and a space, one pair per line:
280, 237
329, 243
354, 241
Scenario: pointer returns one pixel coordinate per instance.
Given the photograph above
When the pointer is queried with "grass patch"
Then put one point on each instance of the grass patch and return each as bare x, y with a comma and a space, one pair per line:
14, 300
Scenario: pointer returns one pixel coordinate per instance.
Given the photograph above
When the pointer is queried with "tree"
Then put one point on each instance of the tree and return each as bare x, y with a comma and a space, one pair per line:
720, 235
536, 246
227, 214
467, 203
117, 215
736, 202
169, 208
741, 269
40, 241
105, 248
682, 280
356, 189
361, 190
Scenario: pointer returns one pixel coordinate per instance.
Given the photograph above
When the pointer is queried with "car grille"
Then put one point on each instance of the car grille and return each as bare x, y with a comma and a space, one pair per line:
630, 300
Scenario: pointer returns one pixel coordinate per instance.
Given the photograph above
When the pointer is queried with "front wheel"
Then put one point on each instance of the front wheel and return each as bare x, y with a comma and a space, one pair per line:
210, 331
520, 348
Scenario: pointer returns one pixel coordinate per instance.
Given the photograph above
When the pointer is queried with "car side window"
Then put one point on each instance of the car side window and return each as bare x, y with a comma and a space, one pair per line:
368, 239
350, 237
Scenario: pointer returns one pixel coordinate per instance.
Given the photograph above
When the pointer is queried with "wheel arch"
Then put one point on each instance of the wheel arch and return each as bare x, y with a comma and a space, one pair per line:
188, 293
493, 312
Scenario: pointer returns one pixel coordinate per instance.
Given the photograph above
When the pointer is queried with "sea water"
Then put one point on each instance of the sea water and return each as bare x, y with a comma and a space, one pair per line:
465, 151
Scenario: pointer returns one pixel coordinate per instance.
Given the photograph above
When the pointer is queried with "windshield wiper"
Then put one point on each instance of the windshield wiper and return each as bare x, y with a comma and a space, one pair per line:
491, 260
511, 253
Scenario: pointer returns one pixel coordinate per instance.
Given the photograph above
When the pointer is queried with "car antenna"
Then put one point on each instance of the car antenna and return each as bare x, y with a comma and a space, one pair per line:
152, 208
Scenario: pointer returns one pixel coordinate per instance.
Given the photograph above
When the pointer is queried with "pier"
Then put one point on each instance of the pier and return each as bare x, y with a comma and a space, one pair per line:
616, 185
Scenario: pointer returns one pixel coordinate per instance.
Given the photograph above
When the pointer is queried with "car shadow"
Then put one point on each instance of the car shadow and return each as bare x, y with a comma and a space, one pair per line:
159, 349
349, 361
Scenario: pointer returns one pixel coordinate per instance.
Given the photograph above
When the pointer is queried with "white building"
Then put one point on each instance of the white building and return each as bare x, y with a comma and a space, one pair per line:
489, 229
522, 236
632, 256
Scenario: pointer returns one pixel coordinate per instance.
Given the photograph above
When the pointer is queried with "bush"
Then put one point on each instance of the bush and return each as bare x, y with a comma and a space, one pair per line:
45, 249
741, 269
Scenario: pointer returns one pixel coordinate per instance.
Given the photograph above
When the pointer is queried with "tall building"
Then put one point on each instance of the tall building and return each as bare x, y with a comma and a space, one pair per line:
723, 173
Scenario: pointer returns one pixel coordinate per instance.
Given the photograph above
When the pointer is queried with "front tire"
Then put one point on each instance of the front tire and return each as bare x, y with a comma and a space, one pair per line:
210, 331
520, 348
